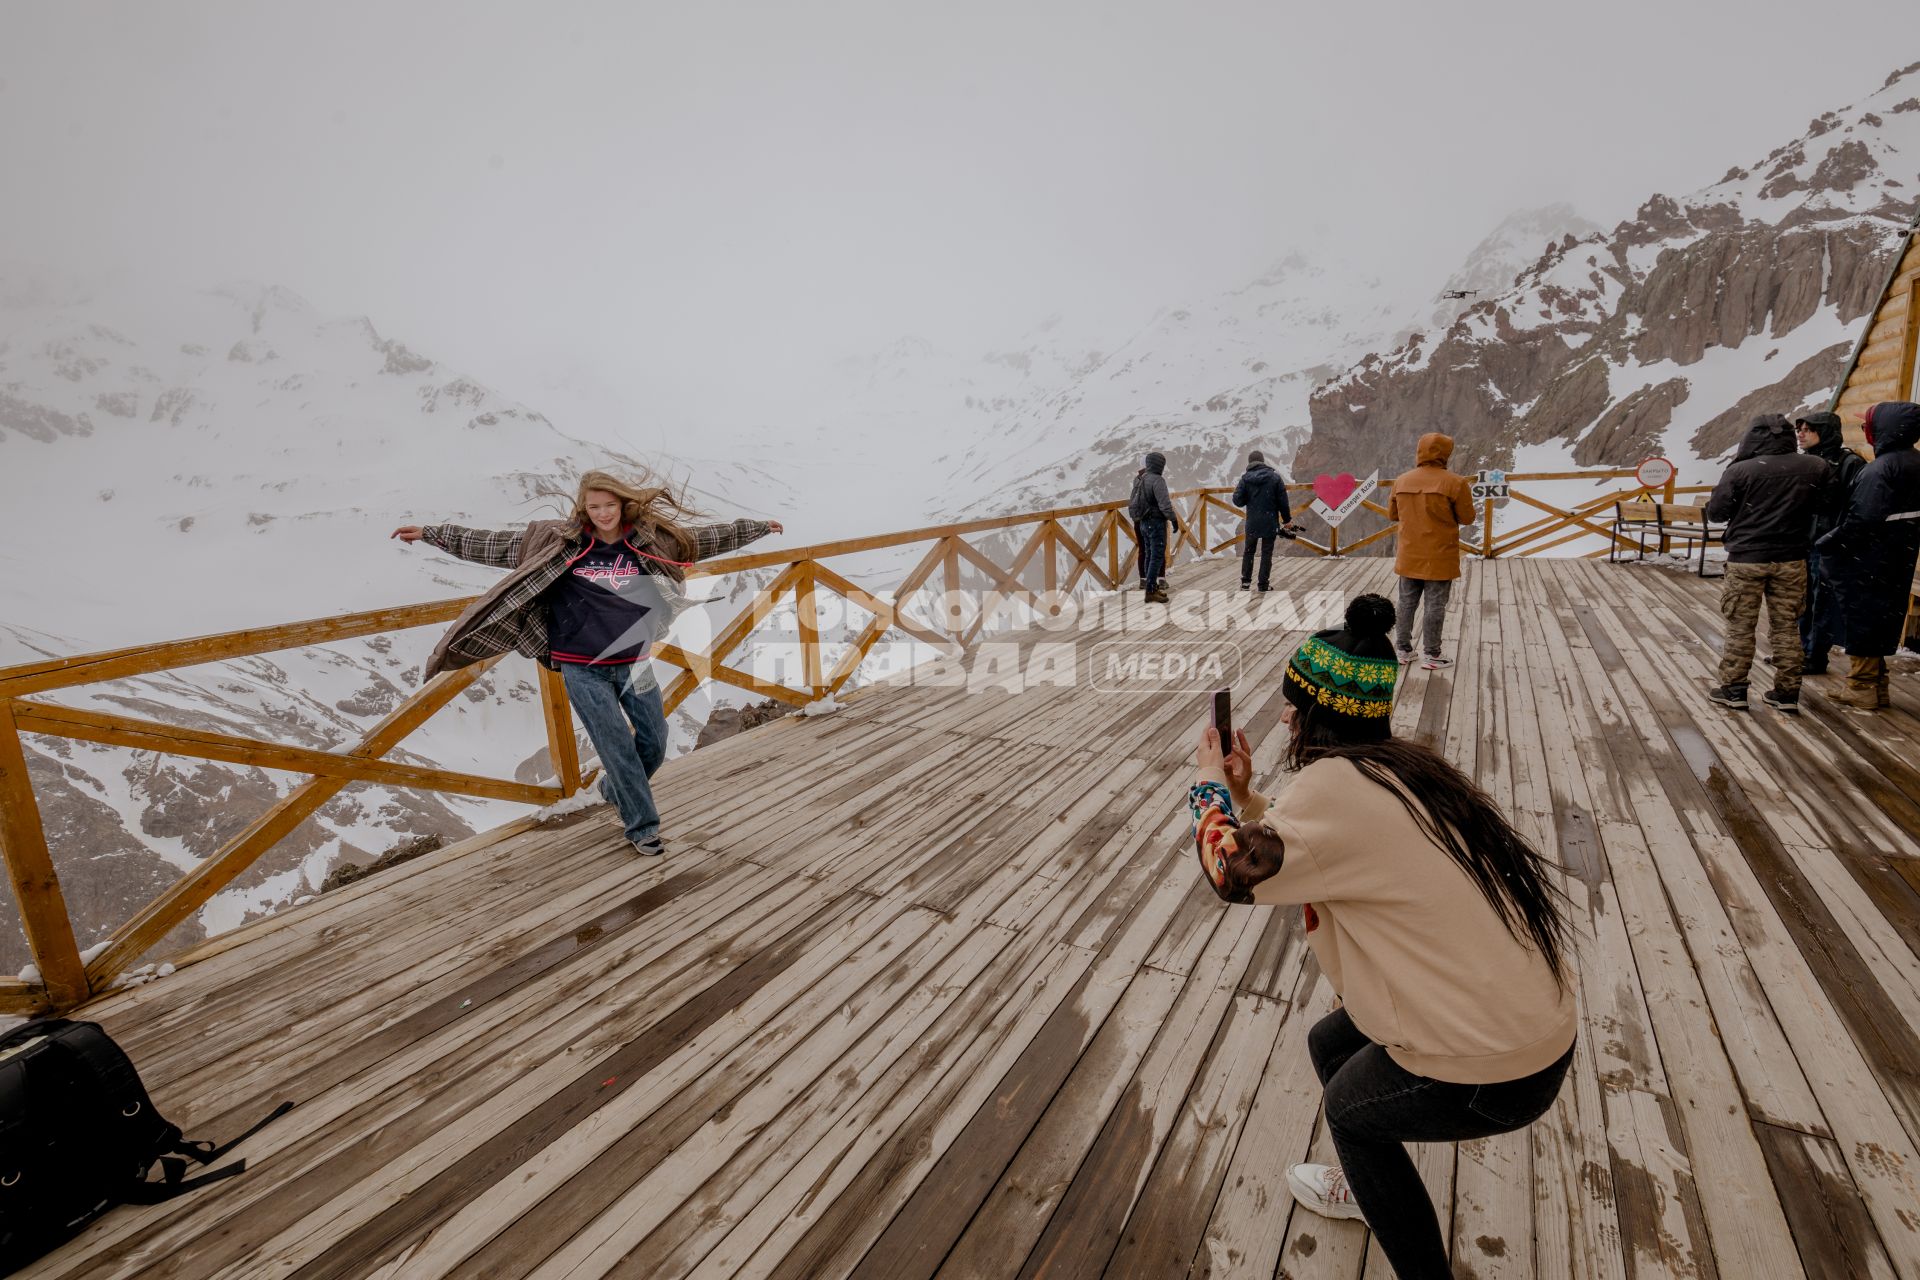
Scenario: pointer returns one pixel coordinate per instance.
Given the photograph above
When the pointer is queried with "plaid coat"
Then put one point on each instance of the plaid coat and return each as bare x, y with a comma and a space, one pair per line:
512, 616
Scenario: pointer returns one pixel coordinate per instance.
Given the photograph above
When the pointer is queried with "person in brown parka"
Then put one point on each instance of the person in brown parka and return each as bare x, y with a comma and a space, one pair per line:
1430, 503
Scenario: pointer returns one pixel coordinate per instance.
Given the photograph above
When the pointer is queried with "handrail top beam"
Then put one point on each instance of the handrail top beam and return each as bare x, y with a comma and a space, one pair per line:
145, 659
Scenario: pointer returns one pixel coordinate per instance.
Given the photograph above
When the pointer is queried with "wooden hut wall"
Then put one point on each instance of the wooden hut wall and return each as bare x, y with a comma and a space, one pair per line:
1884, 369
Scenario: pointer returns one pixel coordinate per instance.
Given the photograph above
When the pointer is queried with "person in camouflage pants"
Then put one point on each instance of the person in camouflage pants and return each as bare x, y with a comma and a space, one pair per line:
1782, 587
1768, 497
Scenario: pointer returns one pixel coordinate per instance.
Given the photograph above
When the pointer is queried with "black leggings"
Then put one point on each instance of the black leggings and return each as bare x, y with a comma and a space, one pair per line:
1373, 1105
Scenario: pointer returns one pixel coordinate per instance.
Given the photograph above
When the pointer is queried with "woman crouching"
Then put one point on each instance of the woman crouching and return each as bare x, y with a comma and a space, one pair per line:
1438, 925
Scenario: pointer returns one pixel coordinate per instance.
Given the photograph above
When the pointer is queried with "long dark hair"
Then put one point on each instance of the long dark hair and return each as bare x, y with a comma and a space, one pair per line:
1460, 818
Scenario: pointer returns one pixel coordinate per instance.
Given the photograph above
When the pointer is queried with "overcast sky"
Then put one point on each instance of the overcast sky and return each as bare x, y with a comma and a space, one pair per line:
702, 204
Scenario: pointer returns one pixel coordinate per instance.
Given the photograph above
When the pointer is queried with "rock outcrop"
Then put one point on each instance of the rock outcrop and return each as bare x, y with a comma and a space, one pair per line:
1662, 335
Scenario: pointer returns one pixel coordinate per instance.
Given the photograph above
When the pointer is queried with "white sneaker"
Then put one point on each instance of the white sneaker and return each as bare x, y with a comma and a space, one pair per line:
1435, 662
1408, 656
1323, 1189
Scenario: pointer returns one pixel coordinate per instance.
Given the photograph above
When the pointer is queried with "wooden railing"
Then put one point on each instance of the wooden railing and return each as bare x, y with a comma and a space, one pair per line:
1585, 518
1065, 547
1064, 558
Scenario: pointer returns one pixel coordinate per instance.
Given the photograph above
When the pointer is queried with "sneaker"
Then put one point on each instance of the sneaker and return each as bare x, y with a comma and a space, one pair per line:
1408, 657
1248, 586
651, 847
1323, 1189
1787, 704
1729, 695
1435, 662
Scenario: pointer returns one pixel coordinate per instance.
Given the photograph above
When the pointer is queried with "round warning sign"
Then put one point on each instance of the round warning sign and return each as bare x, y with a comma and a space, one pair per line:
1653, 473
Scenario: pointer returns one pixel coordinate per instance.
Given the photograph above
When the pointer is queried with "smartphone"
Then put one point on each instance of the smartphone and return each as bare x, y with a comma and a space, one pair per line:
1223, 719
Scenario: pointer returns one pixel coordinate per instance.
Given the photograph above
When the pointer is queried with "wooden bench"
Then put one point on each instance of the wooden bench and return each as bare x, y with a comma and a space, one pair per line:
1667, 522
1633, 520
1687, 522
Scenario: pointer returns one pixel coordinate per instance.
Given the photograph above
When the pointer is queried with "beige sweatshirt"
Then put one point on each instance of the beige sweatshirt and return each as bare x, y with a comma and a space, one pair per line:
1418, 955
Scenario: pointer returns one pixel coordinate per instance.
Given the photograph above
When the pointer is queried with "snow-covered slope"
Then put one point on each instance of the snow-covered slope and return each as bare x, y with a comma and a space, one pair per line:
1496, 261
1201, 383
1208, 380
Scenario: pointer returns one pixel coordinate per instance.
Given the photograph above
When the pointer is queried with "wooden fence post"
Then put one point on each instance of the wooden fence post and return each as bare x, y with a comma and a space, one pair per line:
953, 587
562, 747
1333, 540
1665, 542
807, 611
36, 888
1486, 528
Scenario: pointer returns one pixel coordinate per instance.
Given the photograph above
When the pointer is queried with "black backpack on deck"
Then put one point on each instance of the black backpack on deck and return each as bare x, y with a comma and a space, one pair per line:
78, 1135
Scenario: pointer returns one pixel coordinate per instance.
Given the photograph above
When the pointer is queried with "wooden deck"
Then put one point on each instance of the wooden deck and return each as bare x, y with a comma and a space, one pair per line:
930, 987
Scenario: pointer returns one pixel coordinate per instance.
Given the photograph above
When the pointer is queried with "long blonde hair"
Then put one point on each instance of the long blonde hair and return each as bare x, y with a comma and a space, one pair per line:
655, 511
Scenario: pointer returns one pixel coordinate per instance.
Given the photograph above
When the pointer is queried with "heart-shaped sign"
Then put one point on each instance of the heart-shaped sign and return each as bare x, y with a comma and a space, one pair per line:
1334, 490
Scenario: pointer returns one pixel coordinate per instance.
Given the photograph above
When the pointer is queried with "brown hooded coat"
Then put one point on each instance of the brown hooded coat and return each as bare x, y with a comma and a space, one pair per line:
1431, 503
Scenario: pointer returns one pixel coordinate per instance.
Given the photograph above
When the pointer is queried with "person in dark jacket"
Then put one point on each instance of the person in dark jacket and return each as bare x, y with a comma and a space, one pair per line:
1873, 549
1820, 625
1262, 494
1151, 509
1767, 498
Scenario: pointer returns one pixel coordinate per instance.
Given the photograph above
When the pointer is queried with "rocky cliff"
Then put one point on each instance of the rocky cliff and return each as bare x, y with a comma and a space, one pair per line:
1663, 335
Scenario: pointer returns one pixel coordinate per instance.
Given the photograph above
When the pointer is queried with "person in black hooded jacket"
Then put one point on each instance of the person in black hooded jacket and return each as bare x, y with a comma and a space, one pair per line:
1150, 507
1768, 498
1262, 494
1820, 621
1873, 550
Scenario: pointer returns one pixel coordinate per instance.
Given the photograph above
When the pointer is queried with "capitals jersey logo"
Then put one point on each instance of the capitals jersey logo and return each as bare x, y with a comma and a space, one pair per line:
614, 575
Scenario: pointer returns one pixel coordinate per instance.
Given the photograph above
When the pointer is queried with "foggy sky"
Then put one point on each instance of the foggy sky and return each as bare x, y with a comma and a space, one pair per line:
705, 205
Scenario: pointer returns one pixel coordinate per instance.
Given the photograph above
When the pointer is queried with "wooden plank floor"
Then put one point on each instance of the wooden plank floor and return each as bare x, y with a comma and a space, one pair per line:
929, 987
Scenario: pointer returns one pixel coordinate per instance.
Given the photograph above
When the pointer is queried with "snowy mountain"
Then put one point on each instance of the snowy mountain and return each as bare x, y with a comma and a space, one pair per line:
1202, 382
1665, 335
1496, 262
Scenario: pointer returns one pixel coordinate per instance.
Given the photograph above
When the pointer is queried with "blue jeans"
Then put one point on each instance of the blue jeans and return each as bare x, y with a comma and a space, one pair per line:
1153, 551
629, 729
1374, 1105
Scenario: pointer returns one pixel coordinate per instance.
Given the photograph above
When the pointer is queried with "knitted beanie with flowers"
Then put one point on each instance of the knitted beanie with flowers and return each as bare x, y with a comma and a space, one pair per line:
1347, 674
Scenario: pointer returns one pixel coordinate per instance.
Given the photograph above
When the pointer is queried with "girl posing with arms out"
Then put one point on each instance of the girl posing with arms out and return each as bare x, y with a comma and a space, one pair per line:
588, 596
1437, 924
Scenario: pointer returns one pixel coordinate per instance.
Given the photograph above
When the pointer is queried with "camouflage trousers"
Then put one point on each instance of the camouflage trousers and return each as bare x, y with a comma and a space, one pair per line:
1782, 587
